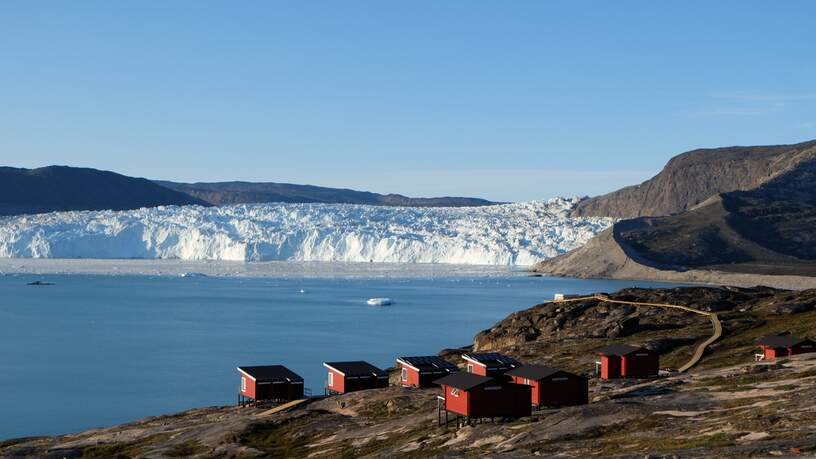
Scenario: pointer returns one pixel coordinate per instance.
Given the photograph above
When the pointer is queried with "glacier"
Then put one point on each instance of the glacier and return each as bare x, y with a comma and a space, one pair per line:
517, 234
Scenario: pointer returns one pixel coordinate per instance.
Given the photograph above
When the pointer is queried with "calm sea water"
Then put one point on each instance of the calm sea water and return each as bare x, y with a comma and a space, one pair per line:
95, 350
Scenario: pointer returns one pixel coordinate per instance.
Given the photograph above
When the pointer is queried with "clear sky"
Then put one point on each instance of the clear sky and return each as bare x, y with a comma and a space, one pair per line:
503, 100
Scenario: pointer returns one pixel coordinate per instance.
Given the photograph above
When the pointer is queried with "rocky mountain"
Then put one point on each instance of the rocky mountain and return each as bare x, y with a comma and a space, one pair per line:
62, 188
692, 177
57, 188
221, 193
765, 234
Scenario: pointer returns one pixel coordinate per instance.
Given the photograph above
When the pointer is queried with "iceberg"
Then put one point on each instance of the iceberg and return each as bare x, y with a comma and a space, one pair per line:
518, 234
380, 302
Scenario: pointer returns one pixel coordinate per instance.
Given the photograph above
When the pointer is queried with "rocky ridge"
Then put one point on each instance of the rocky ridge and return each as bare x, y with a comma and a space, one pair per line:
62, 188
229, 193
760, 236
692, 177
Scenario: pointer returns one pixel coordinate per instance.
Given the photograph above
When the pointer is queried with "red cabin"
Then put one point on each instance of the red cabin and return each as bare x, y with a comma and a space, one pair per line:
269, 383
475, 396
551, 386
352, 376
423, 371
624, 361
784, 345
489, 363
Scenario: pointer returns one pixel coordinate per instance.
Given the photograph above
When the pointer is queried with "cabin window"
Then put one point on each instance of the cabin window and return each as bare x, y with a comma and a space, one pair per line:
455, 392
243, 383
405, 374
526, 381
470, 368
331, 378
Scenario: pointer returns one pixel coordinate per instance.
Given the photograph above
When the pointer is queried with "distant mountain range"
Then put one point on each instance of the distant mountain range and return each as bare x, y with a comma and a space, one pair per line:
222, 193
62, 188
56, 188
743, 210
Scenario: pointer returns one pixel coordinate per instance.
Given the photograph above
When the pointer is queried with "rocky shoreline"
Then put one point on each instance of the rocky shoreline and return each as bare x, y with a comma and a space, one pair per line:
727, 406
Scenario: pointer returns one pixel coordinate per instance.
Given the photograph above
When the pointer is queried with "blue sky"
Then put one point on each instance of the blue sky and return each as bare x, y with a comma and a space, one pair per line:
508, 101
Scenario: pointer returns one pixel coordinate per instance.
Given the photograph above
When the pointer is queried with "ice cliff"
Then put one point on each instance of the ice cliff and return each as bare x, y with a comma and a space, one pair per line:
510, 234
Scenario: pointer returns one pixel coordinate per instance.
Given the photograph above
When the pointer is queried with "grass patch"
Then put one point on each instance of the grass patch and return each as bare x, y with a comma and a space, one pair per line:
279, 439
739, 403
633, 436
108, 450
16, 441
804, 374
122, 450
717, 440
186, 449
741, 330
741, 382
787, 387
381, 447
622, 443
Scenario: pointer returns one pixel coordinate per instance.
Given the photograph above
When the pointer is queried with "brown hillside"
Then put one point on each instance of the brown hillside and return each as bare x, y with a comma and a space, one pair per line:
691, 178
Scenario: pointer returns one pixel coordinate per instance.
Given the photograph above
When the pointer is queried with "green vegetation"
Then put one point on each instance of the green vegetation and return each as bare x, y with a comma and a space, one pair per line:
14, 441
108, 450
383, 446
630, 440
279, 439
122, 450
741, 330
663, 443
186, 449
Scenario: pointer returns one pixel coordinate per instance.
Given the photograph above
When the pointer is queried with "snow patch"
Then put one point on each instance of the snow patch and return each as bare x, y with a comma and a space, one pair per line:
510, 234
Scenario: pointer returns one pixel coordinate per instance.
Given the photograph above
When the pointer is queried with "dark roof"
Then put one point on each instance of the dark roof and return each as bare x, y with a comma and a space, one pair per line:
271, 373
463, 381
430, 362
618, 349
356, 368
493, 359
535, 372
785, 340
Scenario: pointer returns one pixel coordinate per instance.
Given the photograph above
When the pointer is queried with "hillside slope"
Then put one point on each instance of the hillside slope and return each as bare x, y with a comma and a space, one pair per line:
692, 177
58, 188
765, 235
222, 193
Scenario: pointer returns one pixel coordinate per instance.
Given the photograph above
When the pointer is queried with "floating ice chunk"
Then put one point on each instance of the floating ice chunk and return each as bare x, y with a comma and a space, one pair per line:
380, 302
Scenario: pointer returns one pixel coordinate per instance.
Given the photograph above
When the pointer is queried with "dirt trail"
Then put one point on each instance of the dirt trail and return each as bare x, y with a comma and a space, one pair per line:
698, 353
